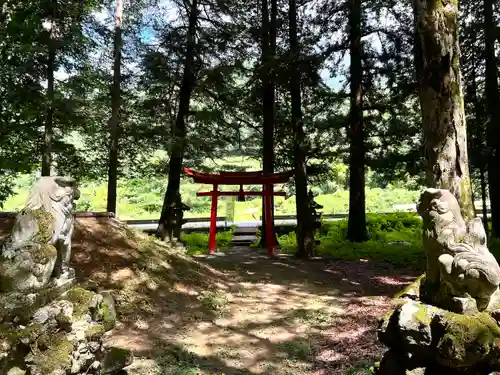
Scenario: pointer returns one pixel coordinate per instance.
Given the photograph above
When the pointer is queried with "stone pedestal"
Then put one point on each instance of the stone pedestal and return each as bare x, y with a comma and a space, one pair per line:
45, 335
424, 339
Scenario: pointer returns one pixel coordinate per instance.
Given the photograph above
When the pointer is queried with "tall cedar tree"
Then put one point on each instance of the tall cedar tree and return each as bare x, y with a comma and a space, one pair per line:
51, 61
437, 61
356, 230
493, 108
305, 229
167, 226
114, 122
268, 50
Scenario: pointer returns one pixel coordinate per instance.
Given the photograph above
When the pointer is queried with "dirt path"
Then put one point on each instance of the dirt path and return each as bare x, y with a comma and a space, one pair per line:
272, 316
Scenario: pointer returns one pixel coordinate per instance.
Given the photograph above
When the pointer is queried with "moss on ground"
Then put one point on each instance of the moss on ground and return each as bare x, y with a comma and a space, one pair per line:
57, 356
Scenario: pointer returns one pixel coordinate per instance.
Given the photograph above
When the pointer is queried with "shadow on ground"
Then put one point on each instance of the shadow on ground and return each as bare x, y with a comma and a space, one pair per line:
241, 313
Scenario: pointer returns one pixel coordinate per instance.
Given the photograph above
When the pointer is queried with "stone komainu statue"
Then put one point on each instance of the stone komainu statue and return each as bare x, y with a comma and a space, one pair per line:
39, 246
459, 264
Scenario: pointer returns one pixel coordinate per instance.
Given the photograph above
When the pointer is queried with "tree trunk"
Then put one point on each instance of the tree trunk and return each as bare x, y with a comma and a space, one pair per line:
437, 60
356, 229
114, 122
305, 225
49, 122
493, 128
268, 47
168, 225
479, 143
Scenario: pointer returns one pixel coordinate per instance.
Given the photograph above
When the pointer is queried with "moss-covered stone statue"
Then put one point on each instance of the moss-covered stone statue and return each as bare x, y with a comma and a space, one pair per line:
49, 326
38, 249
461, 273
446, 322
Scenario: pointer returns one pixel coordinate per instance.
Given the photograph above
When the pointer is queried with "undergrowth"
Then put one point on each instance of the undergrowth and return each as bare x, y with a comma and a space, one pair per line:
197, 243
394, 238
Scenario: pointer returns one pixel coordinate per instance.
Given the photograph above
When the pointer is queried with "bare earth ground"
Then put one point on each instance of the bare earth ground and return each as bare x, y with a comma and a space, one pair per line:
241, 313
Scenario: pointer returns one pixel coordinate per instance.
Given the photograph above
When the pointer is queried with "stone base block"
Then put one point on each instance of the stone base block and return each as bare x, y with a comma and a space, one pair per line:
424, 337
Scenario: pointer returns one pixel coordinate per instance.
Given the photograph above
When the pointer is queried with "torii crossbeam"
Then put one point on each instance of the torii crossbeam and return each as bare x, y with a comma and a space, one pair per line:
267, 180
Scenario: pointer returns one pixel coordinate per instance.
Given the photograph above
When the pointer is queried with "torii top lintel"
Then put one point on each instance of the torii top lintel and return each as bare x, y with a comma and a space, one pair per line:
239, 178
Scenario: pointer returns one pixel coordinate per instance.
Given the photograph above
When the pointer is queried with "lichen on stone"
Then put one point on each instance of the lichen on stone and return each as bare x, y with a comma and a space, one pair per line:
466, 339
45, 222
31, 333
95, 332
81, 299
411, 290
116, 359
108, 319
422, 315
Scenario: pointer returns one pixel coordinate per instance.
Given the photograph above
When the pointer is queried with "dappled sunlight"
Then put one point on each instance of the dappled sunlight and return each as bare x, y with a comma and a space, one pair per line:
239, 314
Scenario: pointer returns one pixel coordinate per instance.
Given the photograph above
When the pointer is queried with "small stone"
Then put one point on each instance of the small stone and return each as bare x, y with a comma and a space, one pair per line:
93, 346
16, 371
95, 365
66, 307
496, 315
416, 371
5, 345
77, 336
87, 318
110, 303
41, 316
91, 285
95, 301
115, 360
76, 366
82, 348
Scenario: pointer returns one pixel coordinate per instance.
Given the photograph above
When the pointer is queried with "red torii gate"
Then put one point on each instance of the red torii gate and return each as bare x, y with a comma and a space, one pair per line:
267, 180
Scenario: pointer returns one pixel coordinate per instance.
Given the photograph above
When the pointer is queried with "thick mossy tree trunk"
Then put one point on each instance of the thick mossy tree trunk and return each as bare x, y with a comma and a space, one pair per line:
114, 122
268, 47
305, 224
493, 105
168, 225
437, 60
356, 230
49, 121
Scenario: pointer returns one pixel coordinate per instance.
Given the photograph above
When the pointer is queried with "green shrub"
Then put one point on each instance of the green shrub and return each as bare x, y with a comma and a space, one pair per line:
197, 243
288, 242
394, 238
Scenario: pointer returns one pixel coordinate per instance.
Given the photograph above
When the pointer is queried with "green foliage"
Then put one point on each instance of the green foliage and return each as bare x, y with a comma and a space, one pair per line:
197, 243
395, 239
